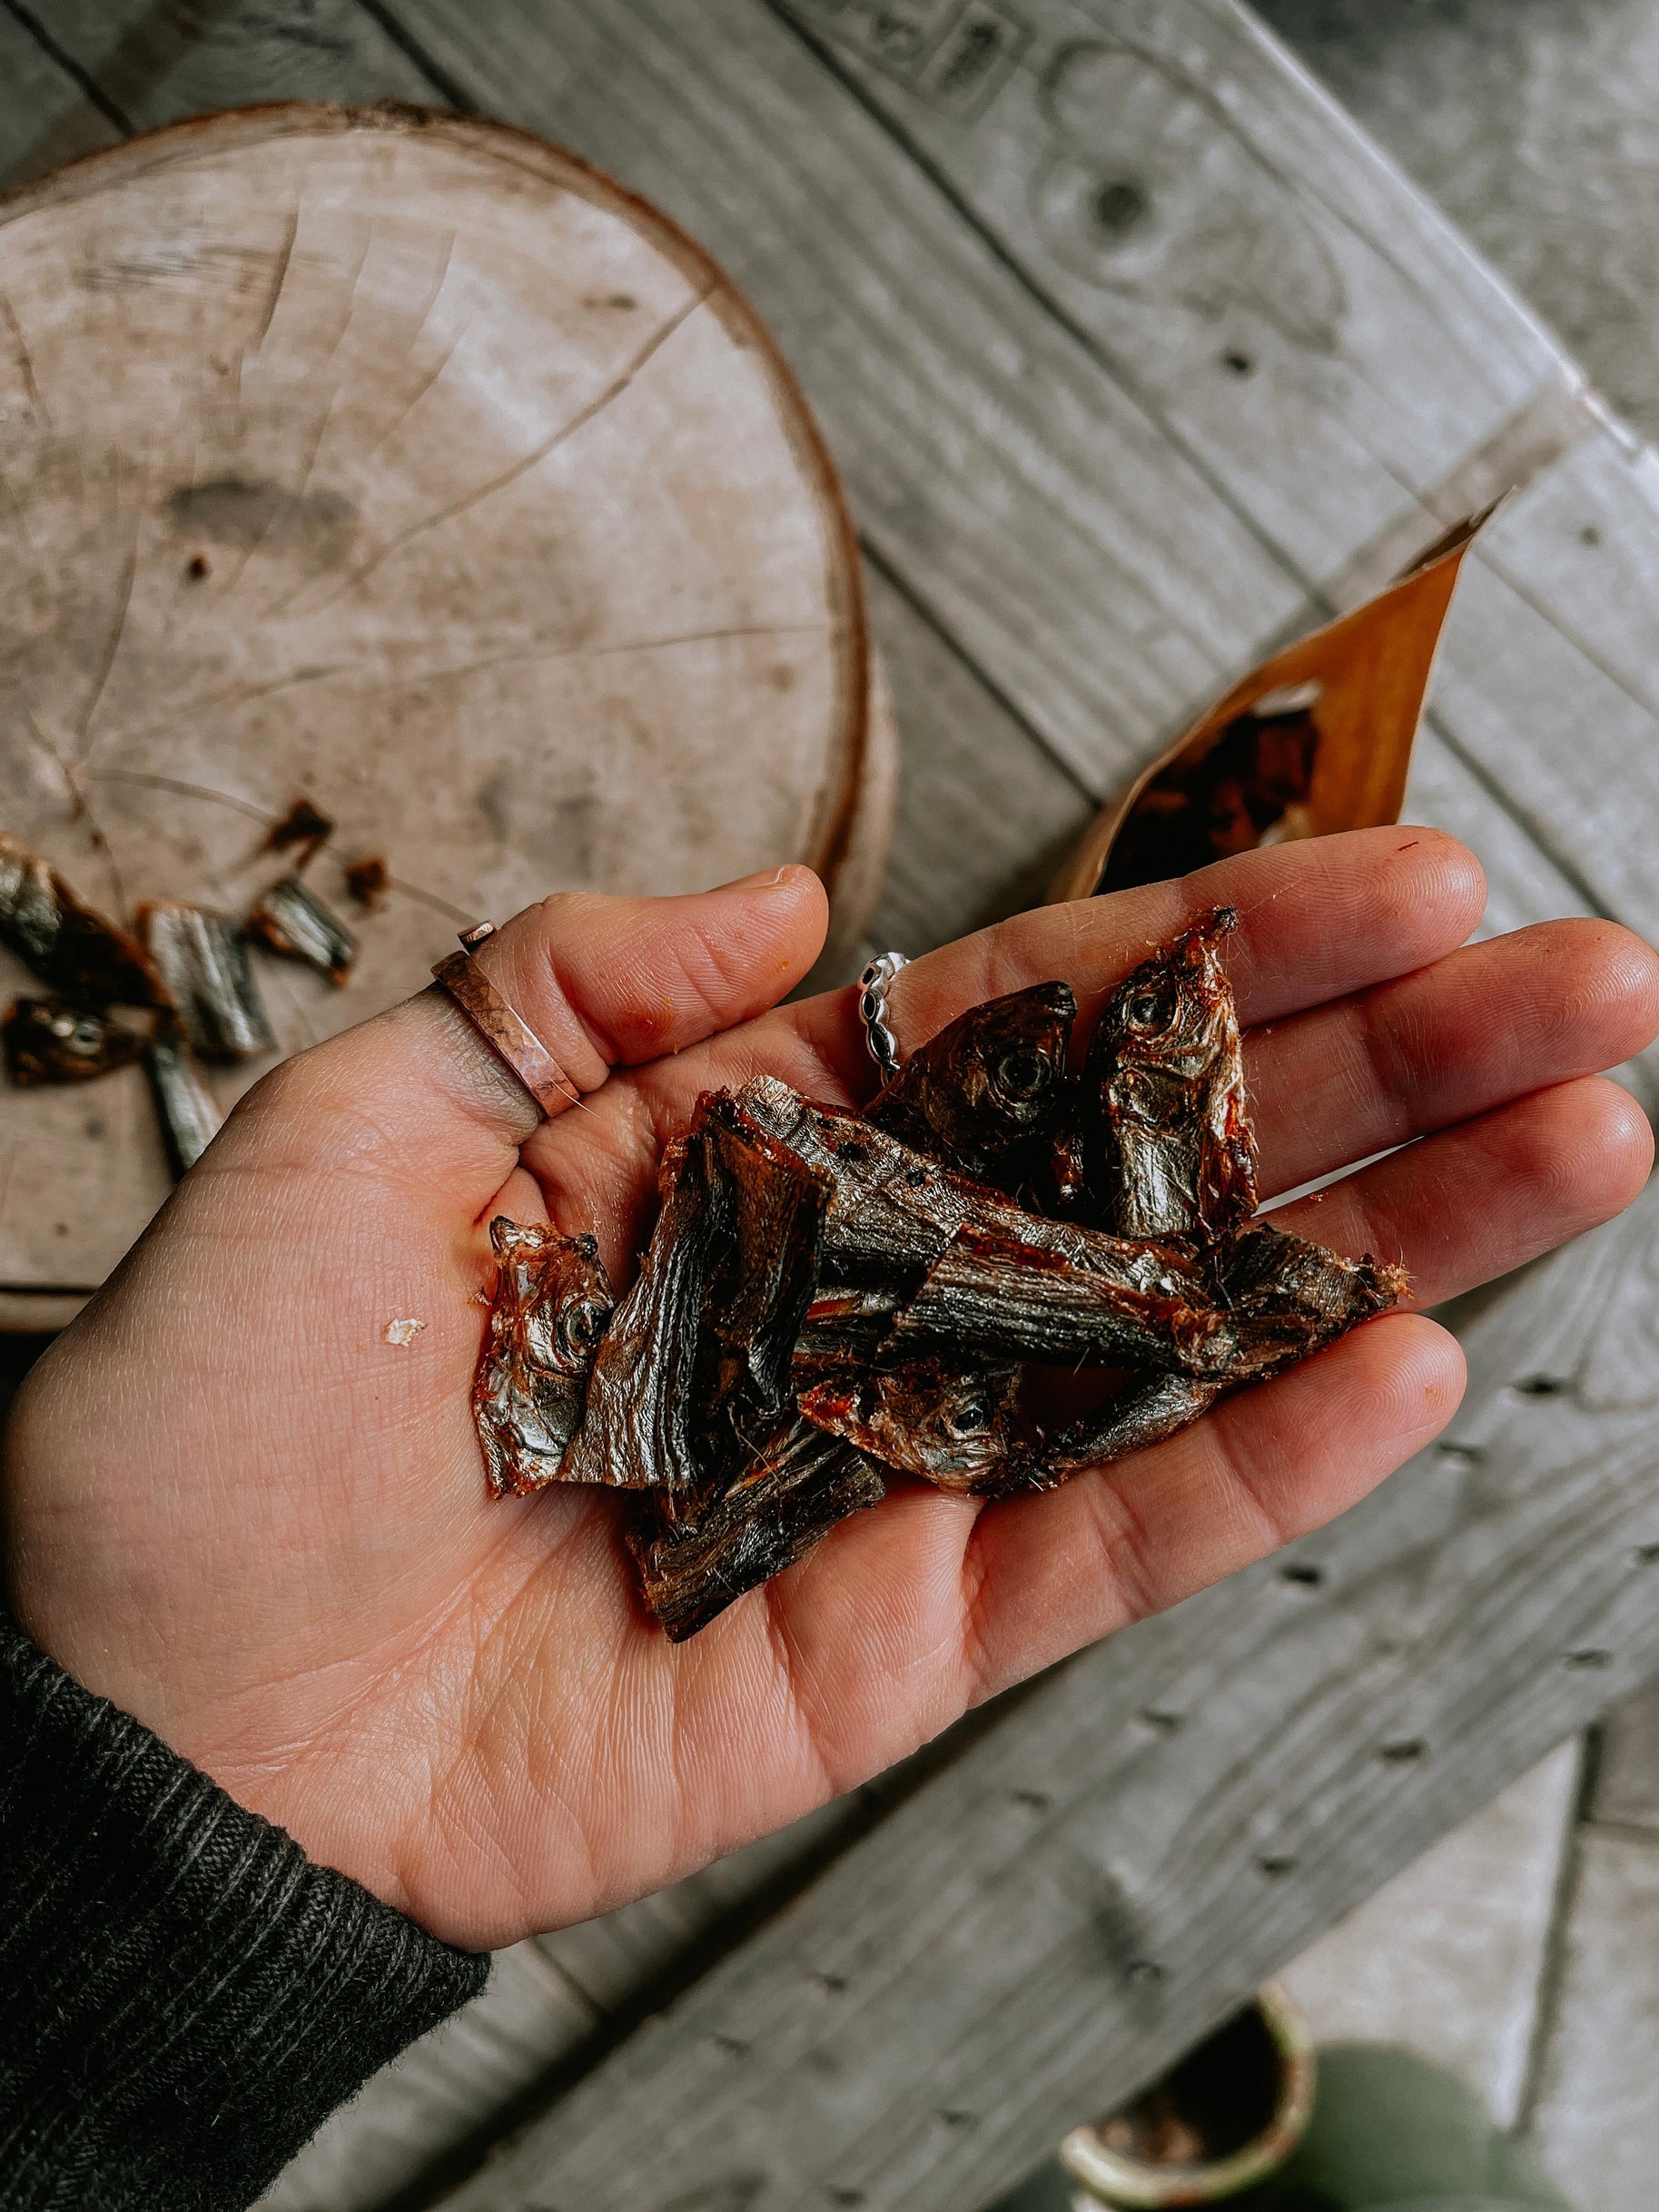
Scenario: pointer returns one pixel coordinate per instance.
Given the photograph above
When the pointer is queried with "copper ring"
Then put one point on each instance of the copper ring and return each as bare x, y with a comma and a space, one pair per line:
506, 1032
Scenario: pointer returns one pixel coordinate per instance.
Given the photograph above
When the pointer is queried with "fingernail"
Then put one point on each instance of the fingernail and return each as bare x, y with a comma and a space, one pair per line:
765, 879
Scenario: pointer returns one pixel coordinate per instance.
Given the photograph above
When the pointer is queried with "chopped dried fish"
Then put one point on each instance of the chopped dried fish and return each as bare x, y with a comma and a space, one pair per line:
639, 1428
553, 1299
1146, 1410
47, 1042
761, 1288
1167, 1144
982, 1094
1289, 1297
303, 825
1111, 1304
954, 1424
79, 954
293, 921
188, 1113
697, 1551
369, 879
202, 958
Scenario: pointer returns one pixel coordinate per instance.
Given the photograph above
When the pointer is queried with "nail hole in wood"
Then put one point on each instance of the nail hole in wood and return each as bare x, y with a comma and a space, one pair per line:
1117, 206
1541, 1386
733, 2046
1460, 1455
1646, 1554
1300, 1571
1589, 1659
833, 1983
957, 2119
1402, 1754
1164, 1724
1274, 1868
1146, 1973
1589, 534
845, 2197
1039, 1800
1241, 364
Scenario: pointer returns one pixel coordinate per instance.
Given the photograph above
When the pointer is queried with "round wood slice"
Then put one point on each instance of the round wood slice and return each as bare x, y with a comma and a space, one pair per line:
405, 463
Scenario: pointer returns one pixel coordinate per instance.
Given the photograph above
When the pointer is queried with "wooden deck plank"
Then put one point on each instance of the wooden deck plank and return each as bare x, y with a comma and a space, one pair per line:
993, 1929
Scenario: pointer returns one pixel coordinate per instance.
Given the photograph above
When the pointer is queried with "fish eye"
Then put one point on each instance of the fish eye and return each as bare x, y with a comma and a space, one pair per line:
583, 1325
1148, 1010
1020, 1074
967, 1417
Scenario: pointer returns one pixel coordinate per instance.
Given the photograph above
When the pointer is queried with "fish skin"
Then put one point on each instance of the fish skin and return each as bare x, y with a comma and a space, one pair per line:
295, 923
188, 1111
47, 1040
984, 1093
952, 1423
203, 959
1167, 1140
74, 949
552, 1301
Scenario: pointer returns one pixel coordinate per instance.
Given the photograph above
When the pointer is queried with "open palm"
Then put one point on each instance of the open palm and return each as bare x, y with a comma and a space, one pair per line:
241, 1511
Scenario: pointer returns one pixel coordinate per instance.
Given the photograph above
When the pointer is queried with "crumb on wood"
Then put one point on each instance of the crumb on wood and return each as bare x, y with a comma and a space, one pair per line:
369, 879
304, 824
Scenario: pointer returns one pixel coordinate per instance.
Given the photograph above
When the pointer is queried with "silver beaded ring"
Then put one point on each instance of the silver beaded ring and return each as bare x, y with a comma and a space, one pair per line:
873, 986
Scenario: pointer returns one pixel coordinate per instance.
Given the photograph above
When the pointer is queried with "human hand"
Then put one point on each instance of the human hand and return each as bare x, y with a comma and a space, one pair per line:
236, 1509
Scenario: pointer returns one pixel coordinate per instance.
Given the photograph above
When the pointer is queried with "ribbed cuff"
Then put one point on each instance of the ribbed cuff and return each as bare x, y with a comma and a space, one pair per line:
184, 1996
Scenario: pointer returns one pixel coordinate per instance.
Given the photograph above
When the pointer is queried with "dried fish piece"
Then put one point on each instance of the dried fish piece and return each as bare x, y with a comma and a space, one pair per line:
303, 825
293, 921
552, 1301
187, 1110
639, 1427
700, 1550
982, 1094
1289, 1297
369, 879
202, 958
954, 1424
706, 1337
1249, 786
81, 955
47, 1042
1145, 1411
1167, 1144
1115, 1304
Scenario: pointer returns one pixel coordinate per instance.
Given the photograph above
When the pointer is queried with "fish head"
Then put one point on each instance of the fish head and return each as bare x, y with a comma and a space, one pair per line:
558, 1292
995, 1078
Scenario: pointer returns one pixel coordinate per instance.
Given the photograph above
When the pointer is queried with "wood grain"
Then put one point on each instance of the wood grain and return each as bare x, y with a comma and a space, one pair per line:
404, 463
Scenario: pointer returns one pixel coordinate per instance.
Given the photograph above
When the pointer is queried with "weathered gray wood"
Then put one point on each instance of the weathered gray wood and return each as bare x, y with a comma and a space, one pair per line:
1044, 1920
45, 117
1033, 507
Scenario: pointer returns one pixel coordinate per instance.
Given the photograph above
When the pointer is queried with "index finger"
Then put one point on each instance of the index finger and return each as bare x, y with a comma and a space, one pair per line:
1317, 920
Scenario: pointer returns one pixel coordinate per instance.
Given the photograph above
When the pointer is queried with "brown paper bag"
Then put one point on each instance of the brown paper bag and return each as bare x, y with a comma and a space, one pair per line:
1318, 739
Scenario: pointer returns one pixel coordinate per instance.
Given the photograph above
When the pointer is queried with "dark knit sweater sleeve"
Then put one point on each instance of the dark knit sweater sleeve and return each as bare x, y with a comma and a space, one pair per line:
184, 1996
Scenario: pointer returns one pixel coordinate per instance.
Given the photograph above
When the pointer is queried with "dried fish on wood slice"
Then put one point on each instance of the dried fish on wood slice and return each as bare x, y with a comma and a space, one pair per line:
955, 1425
1015, 1298
203, 959
47, 1041
187, 1110
1167, 1146
697, 1551
294, 922
83, 957
303, 825
982, 1094
1318, 739
552, 1301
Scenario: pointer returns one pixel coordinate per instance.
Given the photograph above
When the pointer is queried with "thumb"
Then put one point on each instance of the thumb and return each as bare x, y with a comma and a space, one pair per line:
601, 982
